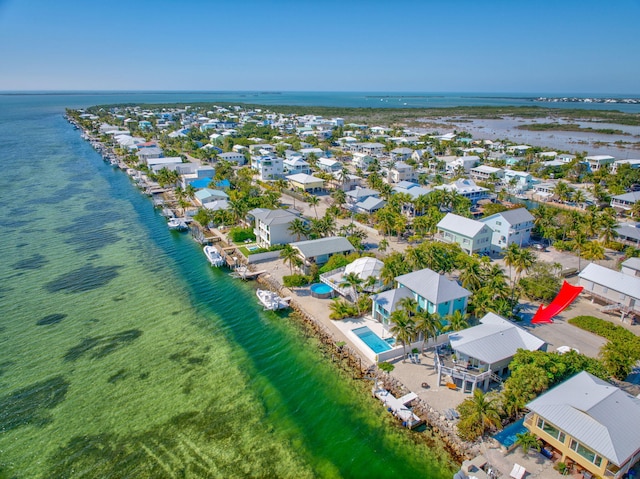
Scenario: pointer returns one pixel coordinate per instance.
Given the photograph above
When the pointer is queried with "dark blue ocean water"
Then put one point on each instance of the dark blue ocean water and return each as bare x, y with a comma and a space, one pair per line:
123, 354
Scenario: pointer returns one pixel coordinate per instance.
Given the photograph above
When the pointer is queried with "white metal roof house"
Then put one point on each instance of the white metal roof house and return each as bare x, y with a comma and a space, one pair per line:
619, 290
596, 162
466, 188
486, 349
472, 236
590, 422
510, 226
364, 268
305, 182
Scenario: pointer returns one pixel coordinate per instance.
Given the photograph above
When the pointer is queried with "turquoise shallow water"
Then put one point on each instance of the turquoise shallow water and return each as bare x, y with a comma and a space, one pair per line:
122, 354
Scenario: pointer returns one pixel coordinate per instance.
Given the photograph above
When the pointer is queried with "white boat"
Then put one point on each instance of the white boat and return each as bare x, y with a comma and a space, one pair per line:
177, 224
213, 255
271, 301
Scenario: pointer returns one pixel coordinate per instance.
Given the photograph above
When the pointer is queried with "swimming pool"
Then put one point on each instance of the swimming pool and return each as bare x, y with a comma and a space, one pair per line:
507, 437
321, 290
371, 339
253, 248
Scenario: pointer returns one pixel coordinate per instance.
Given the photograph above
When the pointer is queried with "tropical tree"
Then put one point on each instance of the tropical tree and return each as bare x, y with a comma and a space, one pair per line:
526, 441
457, 321
339, 197
291, 256
352, 281
383, 245
403, 328
299, 228
477, 415
314, 201
593, 251
427, 324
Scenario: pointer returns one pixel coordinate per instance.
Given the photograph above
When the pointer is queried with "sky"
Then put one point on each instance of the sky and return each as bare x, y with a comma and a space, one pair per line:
508, 46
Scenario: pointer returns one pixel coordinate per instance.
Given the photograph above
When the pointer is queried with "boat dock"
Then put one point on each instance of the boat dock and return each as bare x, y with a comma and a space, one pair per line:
398, 406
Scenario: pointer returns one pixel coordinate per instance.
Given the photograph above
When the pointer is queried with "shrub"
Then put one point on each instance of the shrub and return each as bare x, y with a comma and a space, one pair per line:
240, 235
563, 245
335, 262
386, 367
296, 280
614, 245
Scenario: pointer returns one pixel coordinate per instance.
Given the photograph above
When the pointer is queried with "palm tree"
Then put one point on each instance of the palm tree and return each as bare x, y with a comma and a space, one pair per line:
607, 224
593, 251
471, 276
479, 412
339, 197
427, 324
353, 281
290, 255
383, 245
526, 441
314, 201
299, 228
403, 328
410, 305
456, 321
510, 257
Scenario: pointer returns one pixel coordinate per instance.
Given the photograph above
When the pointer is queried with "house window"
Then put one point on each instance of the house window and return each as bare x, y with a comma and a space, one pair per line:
499, 223
588, 454
551, 430
605, 290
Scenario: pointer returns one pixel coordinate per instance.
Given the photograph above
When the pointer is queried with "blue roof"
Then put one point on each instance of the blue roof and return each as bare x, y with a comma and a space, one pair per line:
223, 184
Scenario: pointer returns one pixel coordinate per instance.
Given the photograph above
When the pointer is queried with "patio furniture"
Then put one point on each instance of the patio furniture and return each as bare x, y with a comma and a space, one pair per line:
517, 472
452, 386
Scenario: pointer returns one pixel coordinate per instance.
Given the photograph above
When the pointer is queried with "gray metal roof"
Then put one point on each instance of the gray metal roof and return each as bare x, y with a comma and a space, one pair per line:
319, 247
594, 412
629, 231
461, 225
432, 286
389, 299
513, 217
632, 263
614, 280
493, 340
362, 193
273, 217
371, 203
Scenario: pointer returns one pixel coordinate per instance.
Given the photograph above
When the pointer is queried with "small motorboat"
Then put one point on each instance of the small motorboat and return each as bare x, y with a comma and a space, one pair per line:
213, 255
271, 301
177, 224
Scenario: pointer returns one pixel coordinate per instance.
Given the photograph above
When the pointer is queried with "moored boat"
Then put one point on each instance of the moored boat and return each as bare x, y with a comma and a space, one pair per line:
213, 255
177, 224
271, 301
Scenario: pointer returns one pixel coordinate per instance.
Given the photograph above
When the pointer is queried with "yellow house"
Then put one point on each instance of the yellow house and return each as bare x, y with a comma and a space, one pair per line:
304, 182
589, 422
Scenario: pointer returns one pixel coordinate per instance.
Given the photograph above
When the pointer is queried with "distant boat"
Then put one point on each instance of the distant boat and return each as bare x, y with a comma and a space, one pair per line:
271, 301
177, 224
213, 255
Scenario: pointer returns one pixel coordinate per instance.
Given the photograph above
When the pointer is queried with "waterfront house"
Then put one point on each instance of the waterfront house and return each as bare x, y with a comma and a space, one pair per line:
365, 268
146, 153
466, 188
170, 163
318, 251
510, 226
596, 162
306, 183
625, 201
589, 422
271, 227
620, 291
207, 195
462, 164
518, 150
486, 173
633, 164
472, 236
483, 353
432, 291
517, 182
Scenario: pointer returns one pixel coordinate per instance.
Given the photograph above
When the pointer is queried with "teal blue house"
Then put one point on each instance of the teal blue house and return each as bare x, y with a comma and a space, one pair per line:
432, 291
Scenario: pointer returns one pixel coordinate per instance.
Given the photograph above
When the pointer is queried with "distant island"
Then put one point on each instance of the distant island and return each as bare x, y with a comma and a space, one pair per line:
631, 101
